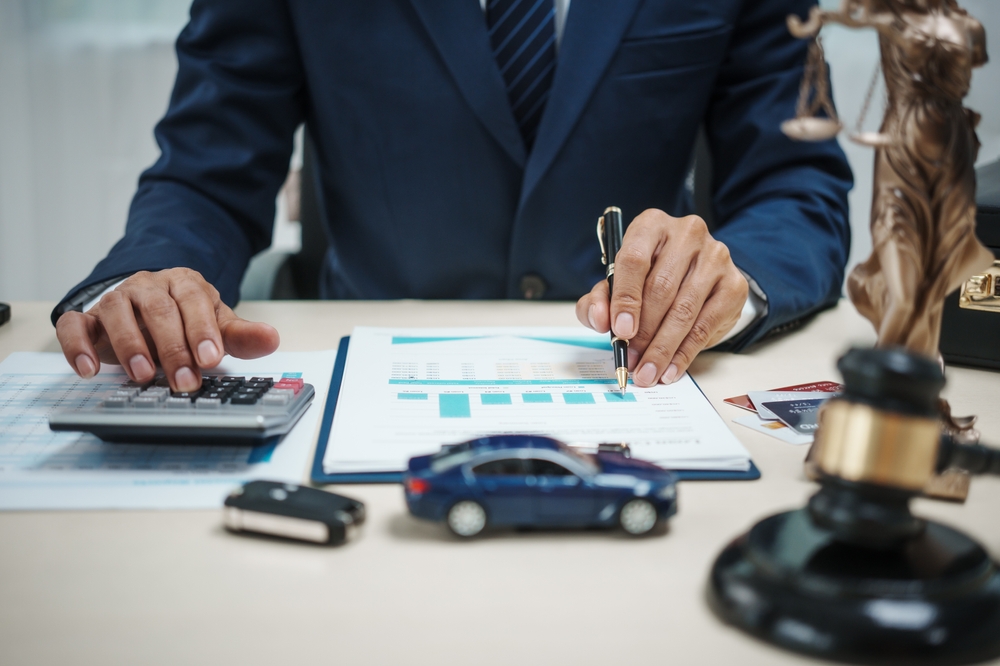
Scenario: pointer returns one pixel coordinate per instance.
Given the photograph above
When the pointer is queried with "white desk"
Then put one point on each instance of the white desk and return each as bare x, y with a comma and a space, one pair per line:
174, 588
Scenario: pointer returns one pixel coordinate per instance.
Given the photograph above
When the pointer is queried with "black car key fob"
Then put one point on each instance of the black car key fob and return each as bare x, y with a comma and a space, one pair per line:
293, 512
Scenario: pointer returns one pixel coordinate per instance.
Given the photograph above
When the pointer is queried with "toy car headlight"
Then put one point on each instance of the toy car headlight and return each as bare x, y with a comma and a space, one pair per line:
667, 492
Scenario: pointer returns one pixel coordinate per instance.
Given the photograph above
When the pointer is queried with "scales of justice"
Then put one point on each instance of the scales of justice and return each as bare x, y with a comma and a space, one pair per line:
855, 576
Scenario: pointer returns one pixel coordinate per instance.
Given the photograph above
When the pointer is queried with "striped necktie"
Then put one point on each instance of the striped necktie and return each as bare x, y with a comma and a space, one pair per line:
523, 36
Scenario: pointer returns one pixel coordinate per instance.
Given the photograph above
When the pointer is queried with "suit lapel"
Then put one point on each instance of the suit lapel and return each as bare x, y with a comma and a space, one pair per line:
592, 34
458, 29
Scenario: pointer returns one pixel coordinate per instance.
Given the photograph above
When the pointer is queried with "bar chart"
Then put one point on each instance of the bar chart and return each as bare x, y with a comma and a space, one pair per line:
459, 405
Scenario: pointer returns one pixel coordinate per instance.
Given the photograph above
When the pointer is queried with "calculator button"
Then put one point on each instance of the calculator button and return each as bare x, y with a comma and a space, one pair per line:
289, 385
116, 402
257, 380
208, 403
275, 400
190, 395
178, 403
127, 392
280, 391
214, 395
156, 391
146, 402
244, 399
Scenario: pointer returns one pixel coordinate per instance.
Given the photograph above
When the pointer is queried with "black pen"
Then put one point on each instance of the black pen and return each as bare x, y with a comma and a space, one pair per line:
610, 233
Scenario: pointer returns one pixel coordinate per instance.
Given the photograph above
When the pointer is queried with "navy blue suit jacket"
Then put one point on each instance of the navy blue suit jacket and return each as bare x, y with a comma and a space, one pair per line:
424, 179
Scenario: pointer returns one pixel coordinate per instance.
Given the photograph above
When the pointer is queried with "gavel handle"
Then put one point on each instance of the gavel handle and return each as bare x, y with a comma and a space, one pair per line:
973, 458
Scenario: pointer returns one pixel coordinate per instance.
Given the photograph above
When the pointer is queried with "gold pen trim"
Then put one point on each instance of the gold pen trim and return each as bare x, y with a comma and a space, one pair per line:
621, 374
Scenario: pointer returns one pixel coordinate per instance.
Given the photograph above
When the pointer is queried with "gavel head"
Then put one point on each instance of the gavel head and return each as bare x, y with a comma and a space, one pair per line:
877, 446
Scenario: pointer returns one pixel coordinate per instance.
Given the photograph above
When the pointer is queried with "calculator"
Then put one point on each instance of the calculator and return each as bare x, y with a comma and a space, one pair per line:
228, 409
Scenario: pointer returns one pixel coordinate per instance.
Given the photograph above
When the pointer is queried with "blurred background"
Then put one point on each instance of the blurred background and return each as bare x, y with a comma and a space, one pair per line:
82, 82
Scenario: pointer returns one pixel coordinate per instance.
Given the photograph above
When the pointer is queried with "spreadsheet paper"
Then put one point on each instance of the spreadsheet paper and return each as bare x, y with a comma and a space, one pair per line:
406, 392
41, 469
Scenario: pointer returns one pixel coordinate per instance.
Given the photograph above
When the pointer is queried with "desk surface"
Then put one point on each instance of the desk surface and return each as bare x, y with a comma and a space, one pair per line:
172, 587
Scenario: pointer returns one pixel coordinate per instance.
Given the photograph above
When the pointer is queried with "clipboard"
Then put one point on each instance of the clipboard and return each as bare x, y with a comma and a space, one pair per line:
320, 475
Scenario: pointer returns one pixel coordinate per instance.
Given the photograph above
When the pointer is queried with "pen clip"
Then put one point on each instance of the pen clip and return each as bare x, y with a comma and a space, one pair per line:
600, 239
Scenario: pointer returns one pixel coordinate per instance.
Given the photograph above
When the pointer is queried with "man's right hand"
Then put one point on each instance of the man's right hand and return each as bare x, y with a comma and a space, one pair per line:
172, 317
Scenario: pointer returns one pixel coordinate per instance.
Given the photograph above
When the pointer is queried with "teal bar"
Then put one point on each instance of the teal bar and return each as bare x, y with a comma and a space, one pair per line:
618, 397
495, 398
536, 397
412, 396
579, 398
454, 406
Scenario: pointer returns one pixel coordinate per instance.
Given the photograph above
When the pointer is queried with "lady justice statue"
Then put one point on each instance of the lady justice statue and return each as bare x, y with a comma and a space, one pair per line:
923, 209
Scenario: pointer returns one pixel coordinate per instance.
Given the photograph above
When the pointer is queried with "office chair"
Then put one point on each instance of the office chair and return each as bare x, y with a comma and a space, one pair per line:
293, 276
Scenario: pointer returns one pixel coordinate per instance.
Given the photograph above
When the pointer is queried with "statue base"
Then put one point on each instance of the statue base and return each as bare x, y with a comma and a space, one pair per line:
932, 597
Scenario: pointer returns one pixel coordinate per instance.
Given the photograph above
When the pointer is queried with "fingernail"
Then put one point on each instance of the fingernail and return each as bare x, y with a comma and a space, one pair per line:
208, 353
85, 366
185, 380
633, 358
624, 324
590, 316
646, 375
140, 366
671, 374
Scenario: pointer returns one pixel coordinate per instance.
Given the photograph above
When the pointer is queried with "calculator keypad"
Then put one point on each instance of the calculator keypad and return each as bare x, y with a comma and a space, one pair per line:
226, 410
217, 392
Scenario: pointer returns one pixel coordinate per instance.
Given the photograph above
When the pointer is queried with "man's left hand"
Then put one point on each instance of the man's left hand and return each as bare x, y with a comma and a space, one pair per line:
677, 292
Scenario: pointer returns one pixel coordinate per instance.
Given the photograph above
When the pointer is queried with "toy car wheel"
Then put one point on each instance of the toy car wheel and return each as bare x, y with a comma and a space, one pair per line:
467, 518
638, 517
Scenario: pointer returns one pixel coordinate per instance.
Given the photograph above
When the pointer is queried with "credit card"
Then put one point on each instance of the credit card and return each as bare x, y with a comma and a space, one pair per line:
799, 415
774, 429
759, 398
743, 401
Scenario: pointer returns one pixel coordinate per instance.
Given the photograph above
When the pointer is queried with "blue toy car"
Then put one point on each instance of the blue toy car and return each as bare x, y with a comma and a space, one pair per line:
523, 480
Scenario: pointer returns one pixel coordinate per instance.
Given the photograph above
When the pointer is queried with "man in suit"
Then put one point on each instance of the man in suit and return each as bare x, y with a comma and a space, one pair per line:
464, 150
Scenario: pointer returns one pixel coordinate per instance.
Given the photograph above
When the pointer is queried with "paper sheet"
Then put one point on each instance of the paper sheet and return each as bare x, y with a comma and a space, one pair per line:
41, 469
408, 391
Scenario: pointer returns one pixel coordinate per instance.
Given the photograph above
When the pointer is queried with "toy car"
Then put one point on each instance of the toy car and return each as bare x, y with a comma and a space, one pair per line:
524, 480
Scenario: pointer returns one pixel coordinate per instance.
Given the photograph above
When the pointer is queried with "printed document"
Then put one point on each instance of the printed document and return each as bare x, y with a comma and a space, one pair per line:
406, 392
41, 469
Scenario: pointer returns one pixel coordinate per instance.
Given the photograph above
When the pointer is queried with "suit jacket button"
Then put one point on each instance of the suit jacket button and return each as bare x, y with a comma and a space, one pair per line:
532, 286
